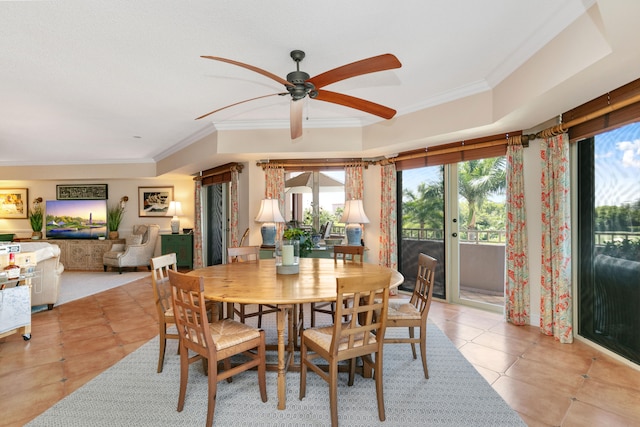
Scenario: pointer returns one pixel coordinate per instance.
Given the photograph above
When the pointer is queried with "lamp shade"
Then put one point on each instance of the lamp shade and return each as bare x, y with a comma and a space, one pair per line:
269, 211
353, 215
269, 214
175, 210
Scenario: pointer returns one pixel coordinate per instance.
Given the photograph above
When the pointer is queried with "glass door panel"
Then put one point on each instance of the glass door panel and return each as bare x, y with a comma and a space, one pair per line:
480, 238
421, 224
608, 210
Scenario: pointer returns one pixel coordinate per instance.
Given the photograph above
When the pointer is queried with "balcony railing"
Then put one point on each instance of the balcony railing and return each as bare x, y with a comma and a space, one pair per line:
468, 236
604, 237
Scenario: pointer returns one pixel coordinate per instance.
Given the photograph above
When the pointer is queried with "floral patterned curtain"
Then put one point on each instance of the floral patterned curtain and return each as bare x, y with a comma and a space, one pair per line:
274, 175
197, 231
388, 254
556, 309
233, 220
353, 182
517, 303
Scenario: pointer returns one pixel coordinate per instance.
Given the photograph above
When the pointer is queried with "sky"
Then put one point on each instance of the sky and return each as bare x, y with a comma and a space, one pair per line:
617, 166
78, 208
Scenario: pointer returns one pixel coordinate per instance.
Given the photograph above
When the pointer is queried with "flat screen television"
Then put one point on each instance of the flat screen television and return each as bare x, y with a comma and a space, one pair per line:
76, 219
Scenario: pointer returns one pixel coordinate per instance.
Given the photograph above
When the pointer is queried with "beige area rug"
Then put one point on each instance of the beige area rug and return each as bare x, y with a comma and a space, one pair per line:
131, 393
79, 284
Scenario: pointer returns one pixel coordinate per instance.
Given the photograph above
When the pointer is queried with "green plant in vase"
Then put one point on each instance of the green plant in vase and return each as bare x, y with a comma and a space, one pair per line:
115, 214
36, 216
306, 245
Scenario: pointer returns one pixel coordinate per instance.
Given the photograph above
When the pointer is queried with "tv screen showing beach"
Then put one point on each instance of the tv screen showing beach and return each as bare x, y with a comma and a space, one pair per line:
76, 219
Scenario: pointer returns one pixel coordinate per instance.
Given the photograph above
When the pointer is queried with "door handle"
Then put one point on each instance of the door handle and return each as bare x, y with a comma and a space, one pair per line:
454, 234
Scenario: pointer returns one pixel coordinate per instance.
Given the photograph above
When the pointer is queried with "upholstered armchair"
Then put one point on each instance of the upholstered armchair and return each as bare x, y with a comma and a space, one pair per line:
137, 251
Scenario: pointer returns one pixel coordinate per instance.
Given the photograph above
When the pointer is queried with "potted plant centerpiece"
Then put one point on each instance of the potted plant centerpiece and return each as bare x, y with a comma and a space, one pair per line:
36, 218
115, 214
294, 233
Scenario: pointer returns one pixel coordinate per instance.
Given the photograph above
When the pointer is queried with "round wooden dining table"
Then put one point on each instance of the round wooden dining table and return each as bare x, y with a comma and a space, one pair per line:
259, 283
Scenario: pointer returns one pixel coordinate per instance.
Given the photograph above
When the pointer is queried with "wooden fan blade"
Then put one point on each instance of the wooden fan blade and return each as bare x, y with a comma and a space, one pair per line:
296, 118
357, 103
364, 66
250, 67
238, 103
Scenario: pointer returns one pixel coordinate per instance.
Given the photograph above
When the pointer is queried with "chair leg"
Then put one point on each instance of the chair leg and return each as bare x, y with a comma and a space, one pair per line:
413, 345
352, 371
226, 364
333, 392
184, 377
163, 345
303, 368
423, 350
259, 316
379, 389
262, 368
213, 385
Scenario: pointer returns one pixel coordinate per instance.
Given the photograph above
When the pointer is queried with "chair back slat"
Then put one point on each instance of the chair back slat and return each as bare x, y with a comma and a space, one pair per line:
423, 290
190, 312
348, 253
160, 280
367, 295
243, 254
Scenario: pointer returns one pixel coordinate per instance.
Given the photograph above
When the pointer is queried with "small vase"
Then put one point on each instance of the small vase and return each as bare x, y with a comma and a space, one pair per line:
36, 235
113, 235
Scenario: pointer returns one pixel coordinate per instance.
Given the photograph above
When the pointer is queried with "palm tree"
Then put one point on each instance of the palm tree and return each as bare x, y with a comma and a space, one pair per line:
425, 206
477, 179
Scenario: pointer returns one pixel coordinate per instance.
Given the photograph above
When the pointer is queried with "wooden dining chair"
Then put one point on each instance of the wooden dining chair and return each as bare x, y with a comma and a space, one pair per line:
247, 254
413, 313
346, 254
212, 342
162, 294
347, 341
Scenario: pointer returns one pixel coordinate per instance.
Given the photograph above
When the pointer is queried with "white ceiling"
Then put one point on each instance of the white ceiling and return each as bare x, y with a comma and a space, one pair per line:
85, 82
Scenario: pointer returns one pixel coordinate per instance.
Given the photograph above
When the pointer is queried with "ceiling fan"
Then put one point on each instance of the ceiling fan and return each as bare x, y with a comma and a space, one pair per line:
299, 85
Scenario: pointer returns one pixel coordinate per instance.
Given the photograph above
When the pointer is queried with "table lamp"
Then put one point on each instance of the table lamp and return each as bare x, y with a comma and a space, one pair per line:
353, 215
175, 209
269, 214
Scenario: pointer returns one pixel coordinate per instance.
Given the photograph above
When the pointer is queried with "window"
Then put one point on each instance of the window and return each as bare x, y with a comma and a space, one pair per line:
313, 198
609, 240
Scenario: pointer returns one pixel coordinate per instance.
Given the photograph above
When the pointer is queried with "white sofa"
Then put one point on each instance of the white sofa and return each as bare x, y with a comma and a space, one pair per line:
45, 286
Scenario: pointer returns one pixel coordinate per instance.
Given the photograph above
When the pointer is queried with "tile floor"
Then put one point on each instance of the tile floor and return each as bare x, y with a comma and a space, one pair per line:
547, 383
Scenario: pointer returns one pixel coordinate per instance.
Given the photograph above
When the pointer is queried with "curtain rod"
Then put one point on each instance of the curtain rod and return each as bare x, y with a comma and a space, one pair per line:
309, 163
437, 152
563, 127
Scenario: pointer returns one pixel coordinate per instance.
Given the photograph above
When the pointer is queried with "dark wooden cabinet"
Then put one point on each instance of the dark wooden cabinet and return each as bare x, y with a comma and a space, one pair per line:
182, 245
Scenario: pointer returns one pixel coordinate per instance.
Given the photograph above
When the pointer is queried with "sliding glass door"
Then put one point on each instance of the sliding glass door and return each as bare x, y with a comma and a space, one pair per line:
478, 213
421, 224
455, 213
608, 211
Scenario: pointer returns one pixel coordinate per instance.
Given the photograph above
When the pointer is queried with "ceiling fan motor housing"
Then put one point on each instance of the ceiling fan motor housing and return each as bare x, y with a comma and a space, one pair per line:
300, 88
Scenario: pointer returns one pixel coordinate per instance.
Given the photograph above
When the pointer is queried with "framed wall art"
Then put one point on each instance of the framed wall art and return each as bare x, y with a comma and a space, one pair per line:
154, 201
82, 192
14, 203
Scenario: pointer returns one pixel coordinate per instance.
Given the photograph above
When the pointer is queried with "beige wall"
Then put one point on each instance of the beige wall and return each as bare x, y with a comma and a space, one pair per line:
182, 187
251, 191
